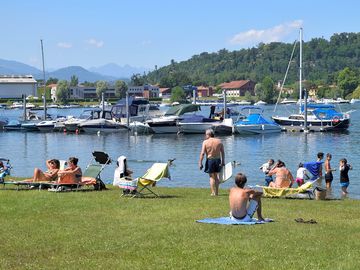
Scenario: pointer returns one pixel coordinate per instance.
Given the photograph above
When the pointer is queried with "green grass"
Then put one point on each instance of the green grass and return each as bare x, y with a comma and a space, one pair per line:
100, 230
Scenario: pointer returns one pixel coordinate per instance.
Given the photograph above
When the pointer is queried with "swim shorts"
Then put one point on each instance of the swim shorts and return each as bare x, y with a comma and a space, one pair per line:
328, 177
213, 165
344, 184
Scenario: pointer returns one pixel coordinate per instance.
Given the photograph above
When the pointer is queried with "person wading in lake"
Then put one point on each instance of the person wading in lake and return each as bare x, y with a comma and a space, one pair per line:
215, 159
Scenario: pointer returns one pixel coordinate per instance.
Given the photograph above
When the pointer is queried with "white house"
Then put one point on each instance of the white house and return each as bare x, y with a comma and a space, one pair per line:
14, 86
145, 91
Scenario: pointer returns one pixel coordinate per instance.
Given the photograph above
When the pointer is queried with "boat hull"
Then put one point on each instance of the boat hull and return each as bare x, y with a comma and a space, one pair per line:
313, 125
257, 129
194, 128
163, 127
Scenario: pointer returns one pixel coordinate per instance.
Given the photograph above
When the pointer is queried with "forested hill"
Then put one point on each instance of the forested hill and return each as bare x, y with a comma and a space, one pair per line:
322, 59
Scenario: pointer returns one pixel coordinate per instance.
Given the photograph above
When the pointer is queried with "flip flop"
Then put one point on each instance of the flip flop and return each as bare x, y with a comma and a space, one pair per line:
311, 221
299, 220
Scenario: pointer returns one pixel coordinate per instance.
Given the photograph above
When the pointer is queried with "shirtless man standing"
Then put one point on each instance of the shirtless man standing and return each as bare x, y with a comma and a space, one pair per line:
284, 178
244, 202
215, 159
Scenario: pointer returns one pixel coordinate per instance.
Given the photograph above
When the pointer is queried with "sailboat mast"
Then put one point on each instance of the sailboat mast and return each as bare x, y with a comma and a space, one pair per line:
300, 69
43, 65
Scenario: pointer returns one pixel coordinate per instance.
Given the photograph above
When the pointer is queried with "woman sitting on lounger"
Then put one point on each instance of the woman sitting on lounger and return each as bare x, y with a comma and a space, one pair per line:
71, 174
284, 178
50, 175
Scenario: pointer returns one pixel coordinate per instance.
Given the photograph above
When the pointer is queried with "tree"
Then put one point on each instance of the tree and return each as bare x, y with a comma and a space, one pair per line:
74, 81
177, 94
101, 87
247, 96
347, 81
120, 88
62, 91
51, 81
356, 93
268, 89
137, 79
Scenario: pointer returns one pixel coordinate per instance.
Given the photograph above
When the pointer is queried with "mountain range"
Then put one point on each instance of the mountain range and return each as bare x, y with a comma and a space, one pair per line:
109, 72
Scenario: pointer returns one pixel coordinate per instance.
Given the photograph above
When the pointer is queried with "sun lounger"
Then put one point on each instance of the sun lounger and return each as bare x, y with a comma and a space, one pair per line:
91, 176
142, 186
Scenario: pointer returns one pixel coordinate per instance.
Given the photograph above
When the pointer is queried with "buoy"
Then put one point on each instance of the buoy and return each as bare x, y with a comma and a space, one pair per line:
77, 131
64, 130
98, 133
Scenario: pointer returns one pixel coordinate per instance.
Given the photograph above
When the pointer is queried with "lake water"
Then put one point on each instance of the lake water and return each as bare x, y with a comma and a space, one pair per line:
29, 150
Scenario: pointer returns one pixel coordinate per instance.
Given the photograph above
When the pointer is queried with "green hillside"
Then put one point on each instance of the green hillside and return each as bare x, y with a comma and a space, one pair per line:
322, 60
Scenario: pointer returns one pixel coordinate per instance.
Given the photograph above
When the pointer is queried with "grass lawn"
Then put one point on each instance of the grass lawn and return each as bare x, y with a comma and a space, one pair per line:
100, 230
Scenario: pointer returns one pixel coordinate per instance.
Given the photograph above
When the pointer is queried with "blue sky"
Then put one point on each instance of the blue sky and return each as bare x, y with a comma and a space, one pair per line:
147, 33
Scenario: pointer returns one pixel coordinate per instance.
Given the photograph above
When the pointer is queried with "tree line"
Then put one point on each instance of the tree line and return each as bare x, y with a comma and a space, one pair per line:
332, 66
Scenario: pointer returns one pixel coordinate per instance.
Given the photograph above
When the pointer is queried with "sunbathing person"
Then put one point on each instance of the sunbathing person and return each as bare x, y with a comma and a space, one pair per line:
71, 174
284, 178
244, 202
50, 175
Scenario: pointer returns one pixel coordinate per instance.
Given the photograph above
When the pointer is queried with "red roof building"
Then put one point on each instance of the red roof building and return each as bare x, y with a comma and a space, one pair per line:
238, 88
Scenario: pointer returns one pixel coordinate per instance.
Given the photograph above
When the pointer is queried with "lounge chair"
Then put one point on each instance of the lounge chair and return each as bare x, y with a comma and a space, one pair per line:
142, 186
91, 175
32, 185
304, 191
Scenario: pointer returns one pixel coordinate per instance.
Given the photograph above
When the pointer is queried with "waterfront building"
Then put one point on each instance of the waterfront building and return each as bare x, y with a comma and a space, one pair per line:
205, 91
238, 88
145, 91
14, 86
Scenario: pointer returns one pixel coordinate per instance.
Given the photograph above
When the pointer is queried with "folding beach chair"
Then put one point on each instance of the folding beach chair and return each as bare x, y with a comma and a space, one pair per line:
91, 175
142, 186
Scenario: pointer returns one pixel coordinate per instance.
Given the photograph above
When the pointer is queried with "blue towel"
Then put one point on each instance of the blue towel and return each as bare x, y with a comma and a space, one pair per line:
314, 168
229, 221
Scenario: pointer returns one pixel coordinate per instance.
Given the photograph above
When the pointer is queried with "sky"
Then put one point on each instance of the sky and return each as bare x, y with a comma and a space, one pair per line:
145, 33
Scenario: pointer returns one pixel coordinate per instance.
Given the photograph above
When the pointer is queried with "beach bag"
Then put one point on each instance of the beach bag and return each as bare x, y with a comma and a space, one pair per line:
100, 185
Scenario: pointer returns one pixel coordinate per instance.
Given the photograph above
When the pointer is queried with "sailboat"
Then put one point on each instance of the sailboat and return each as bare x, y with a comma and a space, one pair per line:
312, 117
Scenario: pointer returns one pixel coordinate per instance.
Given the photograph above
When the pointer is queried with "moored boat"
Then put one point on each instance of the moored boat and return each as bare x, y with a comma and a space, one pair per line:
255, 123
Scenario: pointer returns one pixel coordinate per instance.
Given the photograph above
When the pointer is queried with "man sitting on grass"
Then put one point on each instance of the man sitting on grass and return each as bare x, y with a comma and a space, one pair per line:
244, 202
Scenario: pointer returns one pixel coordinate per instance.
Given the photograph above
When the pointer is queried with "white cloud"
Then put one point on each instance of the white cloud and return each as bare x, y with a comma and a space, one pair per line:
65, 45
95, 43
276, 33
146, 43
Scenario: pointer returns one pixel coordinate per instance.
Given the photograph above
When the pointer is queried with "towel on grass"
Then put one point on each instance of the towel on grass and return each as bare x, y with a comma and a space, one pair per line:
230, 221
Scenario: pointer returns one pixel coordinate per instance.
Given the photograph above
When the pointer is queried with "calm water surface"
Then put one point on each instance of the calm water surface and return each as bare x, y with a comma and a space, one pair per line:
29, 150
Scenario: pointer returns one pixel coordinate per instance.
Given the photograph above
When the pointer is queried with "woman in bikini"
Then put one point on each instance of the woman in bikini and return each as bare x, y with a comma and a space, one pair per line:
284, 178
71, 174
50, 175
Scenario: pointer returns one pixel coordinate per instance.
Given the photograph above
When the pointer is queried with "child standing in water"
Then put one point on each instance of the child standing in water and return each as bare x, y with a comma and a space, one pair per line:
266, 167
344, 175
328, 171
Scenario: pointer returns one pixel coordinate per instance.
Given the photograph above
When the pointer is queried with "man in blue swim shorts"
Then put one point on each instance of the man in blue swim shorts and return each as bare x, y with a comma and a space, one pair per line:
215, 159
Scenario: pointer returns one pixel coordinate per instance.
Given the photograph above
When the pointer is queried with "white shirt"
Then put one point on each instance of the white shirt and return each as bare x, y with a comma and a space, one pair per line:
265, 167
301, 173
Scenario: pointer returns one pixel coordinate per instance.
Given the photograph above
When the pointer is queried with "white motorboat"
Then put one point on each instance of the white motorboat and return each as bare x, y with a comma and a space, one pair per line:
46, 126
195, 123
168, 122
354, 100
140, 128
140, 110
288, 101
260, 103
72, 124
102, 125
255, 123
